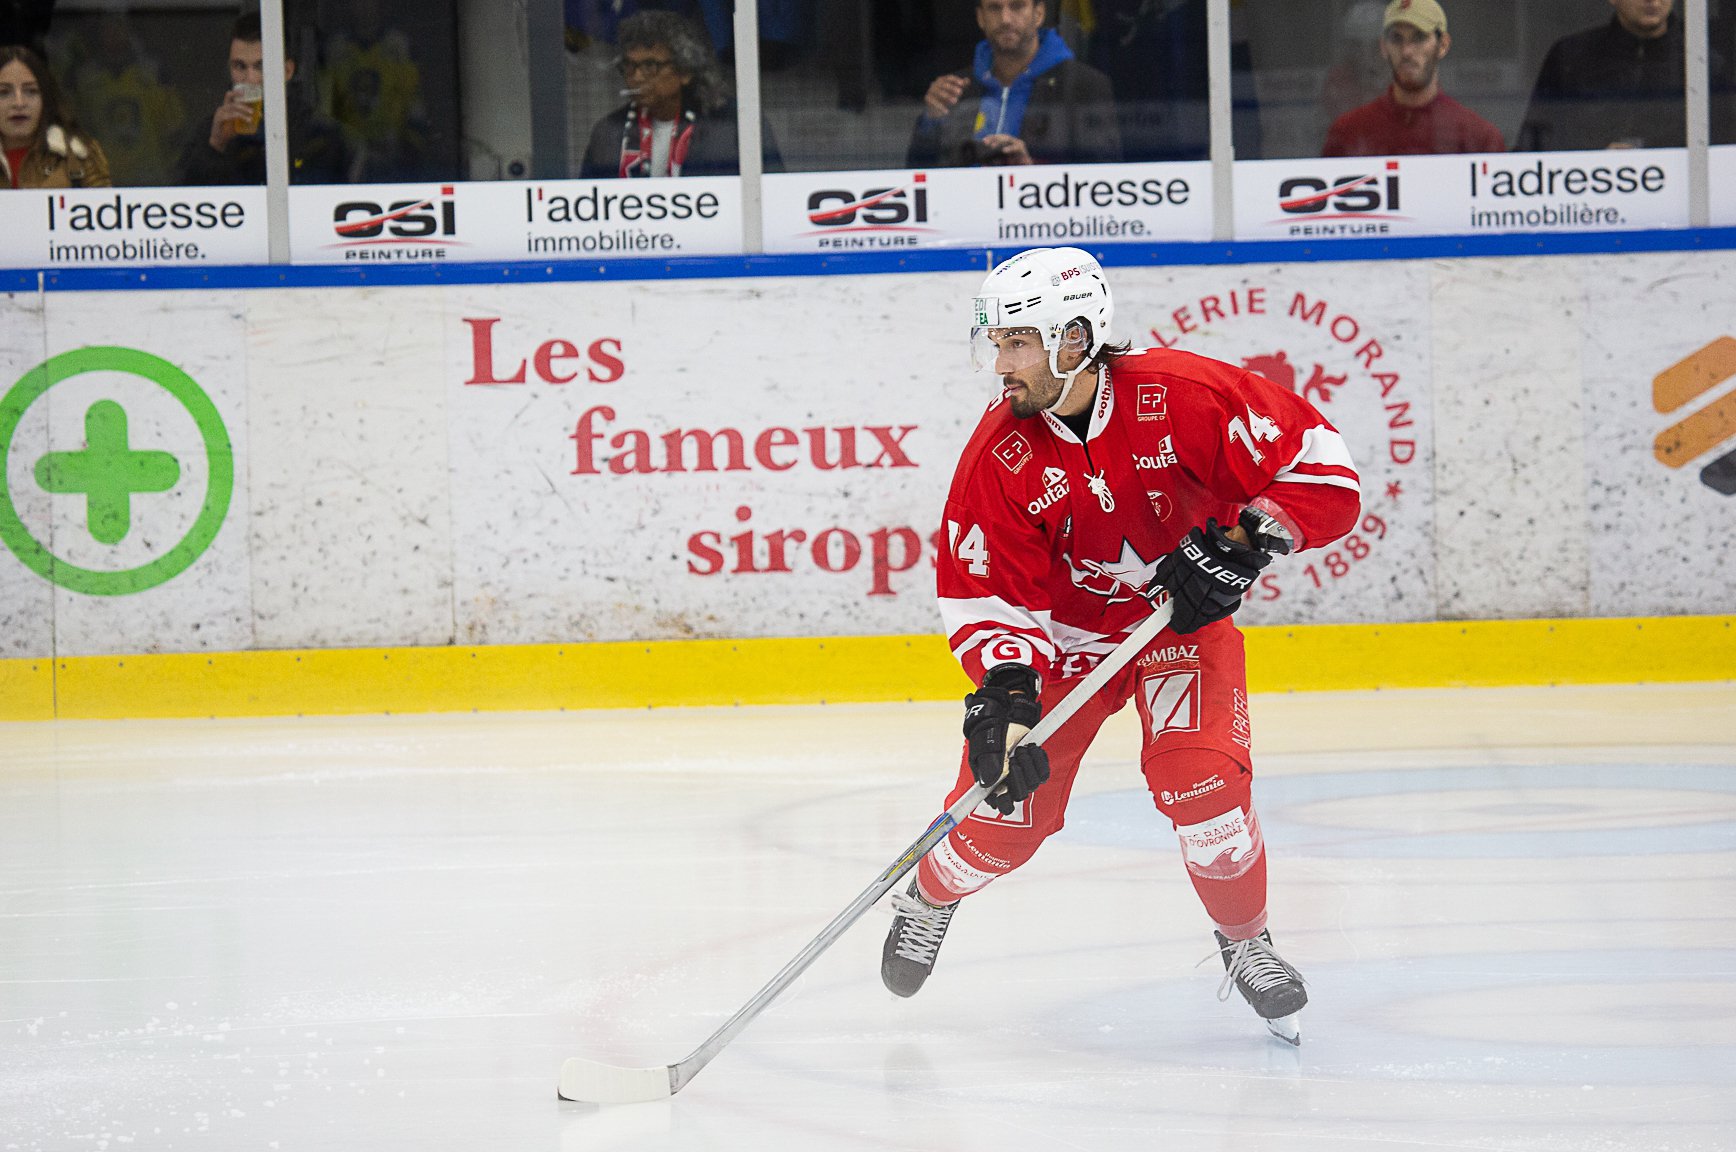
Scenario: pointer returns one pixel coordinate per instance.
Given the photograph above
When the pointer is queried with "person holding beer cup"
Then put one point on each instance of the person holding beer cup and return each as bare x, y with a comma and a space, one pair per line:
243, 107
234, 150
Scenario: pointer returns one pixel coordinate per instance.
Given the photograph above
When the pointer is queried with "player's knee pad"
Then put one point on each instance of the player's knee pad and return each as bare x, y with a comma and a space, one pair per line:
1208, 797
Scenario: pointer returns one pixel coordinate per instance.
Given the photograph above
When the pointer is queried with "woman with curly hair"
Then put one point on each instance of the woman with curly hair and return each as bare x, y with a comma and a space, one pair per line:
40, 144
679, 120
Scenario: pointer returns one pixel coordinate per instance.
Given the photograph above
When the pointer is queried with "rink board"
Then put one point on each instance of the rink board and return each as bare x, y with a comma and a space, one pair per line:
719, 455
833, 670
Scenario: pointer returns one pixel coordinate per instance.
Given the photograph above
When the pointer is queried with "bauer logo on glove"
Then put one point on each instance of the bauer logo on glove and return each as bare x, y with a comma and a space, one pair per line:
1208, 573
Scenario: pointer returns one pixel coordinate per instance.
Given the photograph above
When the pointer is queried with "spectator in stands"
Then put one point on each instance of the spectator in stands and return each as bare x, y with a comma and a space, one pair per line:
1619, 85
1026, 100
1414, 117
376, 96
233, 151
678, 120
40, 144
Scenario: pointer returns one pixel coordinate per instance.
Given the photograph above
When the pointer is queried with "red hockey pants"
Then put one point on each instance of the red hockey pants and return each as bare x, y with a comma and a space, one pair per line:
1192, 696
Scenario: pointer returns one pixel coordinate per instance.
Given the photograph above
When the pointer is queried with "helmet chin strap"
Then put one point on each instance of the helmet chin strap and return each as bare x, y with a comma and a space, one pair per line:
1066, 379
1081, 343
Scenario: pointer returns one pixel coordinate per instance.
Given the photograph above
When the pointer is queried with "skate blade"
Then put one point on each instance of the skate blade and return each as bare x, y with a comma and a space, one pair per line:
1287, 1028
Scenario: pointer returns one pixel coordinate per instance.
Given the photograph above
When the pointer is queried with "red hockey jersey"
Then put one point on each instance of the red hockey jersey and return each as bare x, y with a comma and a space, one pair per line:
1050, 540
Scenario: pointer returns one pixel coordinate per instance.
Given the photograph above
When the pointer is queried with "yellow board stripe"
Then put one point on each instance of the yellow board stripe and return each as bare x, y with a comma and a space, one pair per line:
1492, 653
546, 677
26, 690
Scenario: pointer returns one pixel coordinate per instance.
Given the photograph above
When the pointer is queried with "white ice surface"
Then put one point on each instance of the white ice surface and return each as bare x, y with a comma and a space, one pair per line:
1516, 911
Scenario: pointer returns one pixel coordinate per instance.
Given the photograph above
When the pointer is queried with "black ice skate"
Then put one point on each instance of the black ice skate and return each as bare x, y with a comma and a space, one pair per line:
1266, 980
914, 941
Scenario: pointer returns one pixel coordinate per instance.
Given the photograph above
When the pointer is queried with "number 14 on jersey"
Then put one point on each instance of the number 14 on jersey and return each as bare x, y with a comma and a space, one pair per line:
973, 550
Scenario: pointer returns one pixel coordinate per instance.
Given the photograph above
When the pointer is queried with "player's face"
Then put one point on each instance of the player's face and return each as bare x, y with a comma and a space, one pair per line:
1022, 363
1415, 55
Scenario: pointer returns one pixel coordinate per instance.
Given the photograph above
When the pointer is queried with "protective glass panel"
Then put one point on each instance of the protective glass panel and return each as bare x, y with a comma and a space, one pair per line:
1389, 99
652, 91
1363, 78
865, 85
107, 158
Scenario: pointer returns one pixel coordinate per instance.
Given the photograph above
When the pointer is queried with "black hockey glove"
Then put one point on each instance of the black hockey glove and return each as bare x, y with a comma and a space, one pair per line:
1208, 572
996, 715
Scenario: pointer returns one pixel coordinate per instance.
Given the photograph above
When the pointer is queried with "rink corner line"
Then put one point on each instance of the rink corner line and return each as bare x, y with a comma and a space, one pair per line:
826, 670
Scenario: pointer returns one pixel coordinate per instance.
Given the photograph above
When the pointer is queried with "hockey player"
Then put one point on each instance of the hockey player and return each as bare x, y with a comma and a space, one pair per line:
1099, 478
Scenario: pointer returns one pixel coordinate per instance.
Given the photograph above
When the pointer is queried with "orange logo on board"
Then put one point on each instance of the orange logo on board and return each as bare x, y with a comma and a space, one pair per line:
1707, 428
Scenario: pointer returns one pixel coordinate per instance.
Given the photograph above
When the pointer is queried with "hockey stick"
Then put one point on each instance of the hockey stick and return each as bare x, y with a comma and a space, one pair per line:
591, 1082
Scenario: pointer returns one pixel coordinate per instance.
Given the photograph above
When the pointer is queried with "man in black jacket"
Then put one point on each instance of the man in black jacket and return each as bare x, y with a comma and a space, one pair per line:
233, 150
679, 120
1616, 86
1026, 100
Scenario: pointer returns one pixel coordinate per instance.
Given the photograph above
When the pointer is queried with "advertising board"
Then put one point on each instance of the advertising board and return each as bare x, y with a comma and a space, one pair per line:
514, 220
104, 227
1371, 197
1011, 207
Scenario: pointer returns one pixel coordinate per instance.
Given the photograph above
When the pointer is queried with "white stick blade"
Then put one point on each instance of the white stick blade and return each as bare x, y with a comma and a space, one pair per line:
593, 1083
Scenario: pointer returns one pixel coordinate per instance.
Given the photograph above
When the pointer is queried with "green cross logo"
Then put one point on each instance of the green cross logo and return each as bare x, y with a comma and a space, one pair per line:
107, 472
110, 473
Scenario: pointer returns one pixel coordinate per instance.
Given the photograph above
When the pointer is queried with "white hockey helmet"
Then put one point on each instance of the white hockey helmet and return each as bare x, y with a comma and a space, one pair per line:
1047, 289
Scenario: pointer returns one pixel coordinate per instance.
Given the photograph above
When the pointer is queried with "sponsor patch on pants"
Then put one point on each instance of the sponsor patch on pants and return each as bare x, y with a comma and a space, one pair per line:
1172, 700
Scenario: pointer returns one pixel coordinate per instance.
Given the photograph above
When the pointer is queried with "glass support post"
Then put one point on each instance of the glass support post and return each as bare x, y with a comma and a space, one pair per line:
747, 124
272, 46
1223, 148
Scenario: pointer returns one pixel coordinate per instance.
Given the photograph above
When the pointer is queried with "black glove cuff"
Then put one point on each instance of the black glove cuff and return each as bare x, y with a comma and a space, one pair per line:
1015, 680
1242, 556
1020, 687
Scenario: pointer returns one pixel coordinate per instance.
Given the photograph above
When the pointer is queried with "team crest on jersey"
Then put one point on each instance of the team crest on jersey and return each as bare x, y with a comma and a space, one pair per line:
1149, 402
1014, 452
1115, 580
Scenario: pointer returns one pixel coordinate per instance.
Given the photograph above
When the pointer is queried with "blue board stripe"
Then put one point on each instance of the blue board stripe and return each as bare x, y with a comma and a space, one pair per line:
854, 263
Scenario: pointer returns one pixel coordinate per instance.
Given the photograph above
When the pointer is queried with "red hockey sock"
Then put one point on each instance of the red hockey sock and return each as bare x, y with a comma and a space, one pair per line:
1226, 860
932, 887
1236, 904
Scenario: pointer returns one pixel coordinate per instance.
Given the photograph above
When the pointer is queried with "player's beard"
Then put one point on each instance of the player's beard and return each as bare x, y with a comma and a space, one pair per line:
1033, 395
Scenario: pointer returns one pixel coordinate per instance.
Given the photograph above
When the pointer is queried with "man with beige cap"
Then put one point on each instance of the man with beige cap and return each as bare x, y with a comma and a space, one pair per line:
1414, 117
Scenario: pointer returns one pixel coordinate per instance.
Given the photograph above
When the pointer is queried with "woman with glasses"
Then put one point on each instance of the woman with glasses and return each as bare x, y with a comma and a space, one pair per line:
678, 119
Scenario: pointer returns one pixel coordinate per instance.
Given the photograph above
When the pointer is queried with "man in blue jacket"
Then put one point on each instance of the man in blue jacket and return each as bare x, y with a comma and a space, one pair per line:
1026, 100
